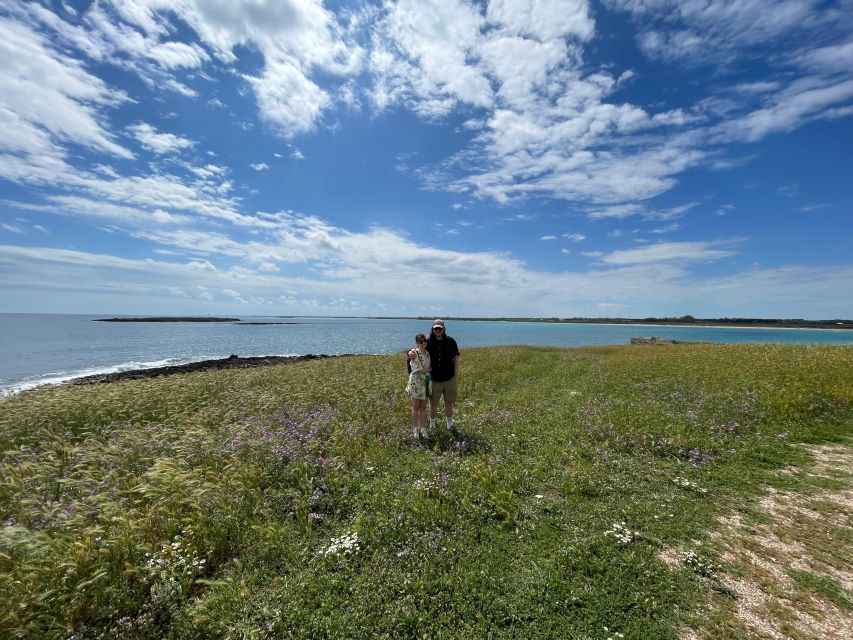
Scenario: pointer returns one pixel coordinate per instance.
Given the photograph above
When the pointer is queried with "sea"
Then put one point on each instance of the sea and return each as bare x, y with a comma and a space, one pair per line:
43, 349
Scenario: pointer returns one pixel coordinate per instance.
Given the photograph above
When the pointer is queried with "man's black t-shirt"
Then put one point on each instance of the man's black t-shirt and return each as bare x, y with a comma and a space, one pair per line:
441, 354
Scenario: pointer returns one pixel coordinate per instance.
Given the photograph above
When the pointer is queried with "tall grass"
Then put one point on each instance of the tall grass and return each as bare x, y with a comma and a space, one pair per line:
289, 501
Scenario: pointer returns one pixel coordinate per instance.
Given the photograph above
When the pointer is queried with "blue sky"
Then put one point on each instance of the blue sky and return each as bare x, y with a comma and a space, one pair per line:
508, 158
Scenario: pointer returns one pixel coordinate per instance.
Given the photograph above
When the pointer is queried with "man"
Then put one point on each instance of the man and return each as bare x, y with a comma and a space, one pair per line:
444, 356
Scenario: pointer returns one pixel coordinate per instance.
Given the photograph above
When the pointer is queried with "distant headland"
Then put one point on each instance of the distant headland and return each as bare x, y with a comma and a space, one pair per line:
169, 319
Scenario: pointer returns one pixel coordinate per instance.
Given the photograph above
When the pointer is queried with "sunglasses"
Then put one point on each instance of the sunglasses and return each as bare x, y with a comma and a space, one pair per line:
438, 328
421, 341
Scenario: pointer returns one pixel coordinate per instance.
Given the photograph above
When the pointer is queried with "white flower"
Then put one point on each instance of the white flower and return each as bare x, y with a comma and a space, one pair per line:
621, 533
347, 544
684, 483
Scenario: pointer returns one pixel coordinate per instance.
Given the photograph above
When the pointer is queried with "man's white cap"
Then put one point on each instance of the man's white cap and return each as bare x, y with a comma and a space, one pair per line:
437, 323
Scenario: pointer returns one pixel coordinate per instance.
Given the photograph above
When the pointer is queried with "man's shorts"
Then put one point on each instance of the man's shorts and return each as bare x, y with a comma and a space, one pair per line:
448, 388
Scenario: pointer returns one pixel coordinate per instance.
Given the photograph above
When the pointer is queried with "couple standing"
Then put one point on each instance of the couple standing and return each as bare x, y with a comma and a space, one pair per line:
434, 364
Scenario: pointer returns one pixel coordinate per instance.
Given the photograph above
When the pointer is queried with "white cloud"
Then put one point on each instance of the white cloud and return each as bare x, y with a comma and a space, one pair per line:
574, 237
259, 166
288, 98
424, 53
158, 142
486, 282
48, 99
208, 171
644, 211
829, 59
548, 238
667, 252
174, 55
789, 190
234, 295
668, 228
296, 38
803, 100
543, 19
616, 211
703, 32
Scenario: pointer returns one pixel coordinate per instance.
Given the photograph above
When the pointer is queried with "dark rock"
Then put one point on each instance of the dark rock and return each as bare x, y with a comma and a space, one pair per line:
231, 362
652, 340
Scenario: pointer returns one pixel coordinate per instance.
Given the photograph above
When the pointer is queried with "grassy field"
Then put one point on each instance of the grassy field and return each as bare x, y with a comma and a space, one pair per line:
583, 501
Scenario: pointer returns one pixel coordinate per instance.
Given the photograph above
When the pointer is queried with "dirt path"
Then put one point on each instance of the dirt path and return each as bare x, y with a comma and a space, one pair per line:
790, 565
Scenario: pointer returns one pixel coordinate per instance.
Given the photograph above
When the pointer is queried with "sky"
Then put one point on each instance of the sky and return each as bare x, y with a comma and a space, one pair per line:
535, 158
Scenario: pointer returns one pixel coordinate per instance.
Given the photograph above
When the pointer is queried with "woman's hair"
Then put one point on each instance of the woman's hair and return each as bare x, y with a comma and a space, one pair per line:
419, 336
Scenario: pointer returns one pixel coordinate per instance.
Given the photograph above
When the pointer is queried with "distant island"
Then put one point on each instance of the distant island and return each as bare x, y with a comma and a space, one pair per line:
790, 323
169, 319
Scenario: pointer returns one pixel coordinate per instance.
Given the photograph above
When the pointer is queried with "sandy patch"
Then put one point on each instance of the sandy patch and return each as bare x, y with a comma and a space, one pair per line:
770, 602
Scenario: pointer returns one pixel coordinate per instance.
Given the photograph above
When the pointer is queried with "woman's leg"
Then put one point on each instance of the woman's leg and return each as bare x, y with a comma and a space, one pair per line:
422, 413
415, 416
422, 408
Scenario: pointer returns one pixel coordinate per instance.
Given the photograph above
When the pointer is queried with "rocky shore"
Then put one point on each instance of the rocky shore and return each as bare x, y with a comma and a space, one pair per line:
231, 362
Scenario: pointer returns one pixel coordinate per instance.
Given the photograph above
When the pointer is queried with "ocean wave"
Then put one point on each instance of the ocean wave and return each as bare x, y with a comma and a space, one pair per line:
59, 377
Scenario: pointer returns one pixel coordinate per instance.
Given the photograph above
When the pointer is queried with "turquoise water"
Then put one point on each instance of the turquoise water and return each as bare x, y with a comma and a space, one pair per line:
46, 348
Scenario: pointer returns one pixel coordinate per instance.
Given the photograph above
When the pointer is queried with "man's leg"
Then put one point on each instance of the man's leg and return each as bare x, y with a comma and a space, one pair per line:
449, 400
433, 408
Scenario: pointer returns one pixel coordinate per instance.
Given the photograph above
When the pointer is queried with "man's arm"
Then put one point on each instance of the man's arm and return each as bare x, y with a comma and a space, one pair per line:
456, 360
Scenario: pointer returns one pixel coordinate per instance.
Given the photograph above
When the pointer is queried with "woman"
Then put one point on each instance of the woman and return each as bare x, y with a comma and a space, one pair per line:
418, 385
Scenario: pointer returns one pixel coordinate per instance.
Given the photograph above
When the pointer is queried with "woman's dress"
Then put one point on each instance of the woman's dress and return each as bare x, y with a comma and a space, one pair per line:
418, 380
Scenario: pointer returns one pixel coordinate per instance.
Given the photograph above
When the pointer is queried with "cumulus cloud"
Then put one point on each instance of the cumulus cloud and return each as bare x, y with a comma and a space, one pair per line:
421, 54
296, 38
157, 142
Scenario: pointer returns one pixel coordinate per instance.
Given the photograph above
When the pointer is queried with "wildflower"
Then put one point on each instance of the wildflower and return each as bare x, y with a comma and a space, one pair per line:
346, 544
699, 565
684, 483
621, 533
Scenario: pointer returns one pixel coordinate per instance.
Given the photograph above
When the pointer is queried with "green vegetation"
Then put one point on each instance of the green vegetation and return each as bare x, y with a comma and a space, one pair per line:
289, 501
825, 586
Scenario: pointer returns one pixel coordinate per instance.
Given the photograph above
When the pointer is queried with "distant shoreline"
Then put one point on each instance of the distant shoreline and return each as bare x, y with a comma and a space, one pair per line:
744, 323
168, 319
